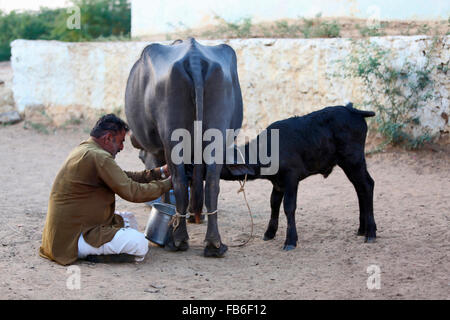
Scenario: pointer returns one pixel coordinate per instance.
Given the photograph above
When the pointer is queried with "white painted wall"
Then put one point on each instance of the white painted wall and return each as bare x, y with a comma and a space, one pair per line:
160, 16
279, 78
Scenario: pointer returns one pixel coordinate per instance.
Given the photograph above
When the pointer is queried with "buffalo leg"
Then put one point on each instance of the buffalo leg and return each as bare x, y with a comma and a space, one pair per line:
178, 237
196, 196
275, 202
213, 244
152, 161
364, 185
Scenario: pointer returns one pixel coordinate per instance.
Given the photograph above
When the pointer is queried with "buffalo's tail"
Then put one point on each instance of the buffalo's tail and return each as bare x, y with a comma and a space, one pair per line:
197, 78
195, 71
195, 68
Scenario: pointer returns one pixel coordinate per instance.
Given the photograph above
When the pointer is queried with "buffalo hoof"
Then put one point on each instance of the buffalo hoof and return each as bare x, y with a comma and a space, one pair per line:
360, 233
184, 245
289, 247
370, 240
170, 246
212, 251
196, 218
268, 236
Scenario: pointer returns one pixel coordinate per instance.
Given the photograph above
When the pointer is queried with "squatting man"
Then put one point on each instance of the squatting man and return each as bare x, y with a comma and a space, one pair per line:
81, 221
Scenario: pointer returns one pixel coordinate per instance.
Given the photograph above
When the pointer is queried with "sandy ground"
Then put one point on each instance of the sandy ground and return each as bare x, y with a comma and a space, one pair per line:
412, 209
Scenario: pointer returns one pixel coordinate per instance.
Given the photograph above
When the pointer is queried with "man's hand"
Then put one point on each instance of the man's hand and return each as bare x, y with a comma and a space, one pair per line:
165, 169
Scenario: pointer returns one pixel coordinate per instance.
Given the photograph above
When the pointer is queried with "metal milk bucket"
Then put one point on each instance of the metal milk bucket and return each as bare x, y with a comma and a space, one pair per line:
158, 222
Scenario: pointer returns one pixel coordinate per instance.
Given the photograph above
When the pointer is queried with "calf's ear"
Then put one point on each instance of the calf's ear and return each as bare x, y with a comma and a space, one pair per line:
240, 169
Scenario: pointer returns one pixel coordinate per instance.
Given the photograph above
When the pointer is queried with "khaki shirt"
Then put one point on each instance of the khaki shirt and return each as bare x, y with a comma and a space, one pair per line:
82, 200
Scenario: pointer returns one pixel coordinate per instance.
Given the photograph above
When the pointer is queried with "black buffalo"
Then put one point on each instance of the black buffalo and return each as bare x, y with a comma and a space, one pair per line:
170, 87
314, 144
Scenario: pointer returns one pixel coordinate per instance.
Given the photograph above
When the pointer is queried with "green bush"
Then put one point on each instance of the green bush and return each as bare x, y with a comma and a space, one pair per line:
99, 19
240, 28
25, 25
395, 92
315, 28
244, 28
376, 30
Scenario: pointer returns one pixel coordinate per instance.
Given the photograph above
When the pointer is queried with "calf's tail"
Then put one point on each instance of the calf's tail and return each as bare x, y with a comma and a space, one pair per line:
365, 114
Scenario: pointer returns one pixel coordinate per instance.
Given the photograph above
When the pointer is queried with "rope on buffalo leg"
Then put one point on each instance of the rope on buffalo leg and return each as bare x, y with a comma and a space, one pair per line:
175, 221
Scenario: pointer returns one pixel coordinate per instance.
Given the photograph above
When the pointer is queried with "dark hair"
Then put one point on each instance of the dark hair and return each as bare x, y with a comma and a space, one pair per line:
108, 123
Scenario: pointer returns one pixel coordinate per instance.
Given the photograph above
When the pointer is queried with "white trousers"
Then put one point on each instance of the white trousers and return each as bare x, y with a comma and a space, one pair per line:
127, 240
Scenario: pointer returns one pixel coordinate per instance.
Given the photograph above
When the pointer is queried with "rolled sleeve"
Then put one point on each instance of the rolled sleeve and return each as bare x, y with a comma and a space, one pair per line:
118, 181
144, 176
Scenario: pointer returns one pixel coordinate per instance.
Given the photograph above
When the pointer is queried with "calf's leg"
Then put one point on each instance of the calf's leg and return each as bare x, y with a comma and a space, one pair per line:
290, 205
364, 185
275, 202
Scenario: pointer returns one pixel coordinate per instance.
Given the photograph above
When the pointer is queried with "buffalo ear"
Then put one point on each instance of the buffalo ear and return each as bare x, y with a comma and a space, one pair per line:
240, 169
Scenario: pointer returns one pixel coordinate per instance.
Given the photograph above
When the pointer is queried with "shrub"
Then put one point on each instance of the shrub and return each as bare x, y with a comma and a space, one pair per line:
25, 25
100, 19
376, 30
315, 28
240, 28
396, 92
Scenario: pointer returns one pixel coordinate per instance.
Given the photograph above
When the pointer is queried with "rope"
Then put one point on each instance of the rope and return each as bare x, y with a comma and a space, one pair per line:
175, 221
210, 213
242, 189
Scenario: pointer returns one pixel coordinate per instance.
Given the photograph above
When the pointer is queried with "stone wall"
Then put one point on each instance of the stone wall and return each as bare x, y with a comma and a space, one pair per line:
279, 77
8, 112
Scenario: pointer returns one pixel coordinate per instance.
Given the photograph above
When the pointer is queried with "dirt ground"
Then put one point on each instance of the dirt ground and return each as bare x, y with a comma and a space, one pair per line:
411, 204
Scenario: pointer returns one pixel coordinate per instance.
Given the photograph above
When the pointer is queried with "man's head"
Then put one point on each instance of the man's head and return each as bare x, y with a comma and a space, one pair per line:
109, 132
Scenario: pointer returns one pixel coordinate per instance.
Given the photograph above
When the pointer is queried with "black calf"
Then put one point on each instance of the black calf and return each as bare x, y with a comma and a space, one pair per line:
309, 145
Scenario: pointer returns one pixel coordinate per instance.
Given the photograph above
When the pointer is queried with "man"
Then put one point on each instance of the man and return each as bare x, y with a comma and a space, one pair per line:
81, 220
